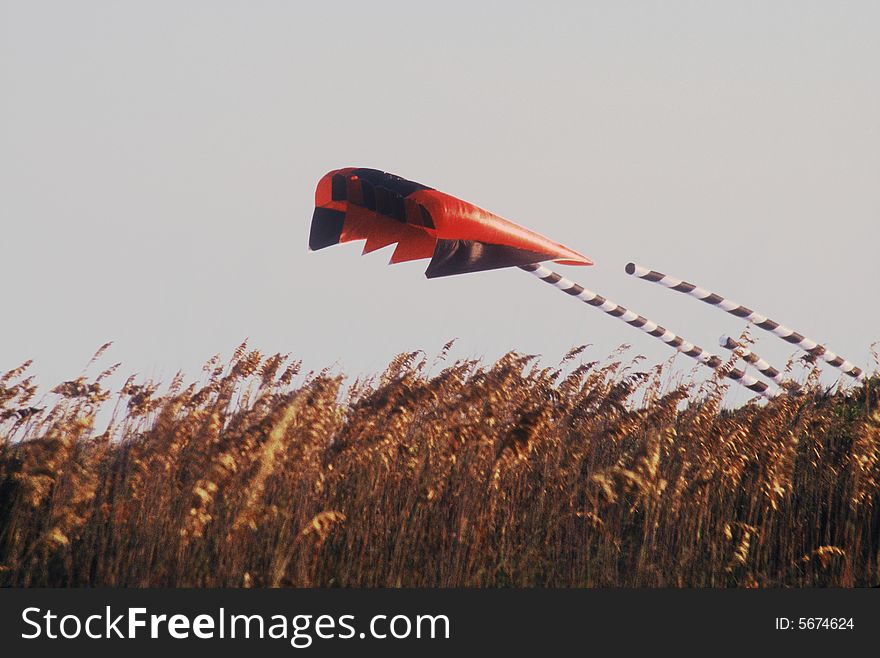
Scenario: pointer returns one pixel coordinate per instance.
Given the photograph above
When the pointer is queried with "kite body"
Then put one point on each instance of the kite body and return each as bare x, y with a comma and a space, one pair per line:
459, 237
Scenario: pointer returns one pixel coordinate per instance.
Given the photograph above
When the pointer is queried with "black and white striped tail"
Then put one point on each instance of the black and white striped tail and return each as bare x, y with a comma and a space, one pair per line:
785, 333
635, 320
750, 357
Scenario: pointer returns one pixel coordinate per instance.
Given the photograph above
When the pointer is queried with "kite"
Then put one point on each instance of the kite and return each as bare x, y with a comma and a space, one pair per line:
458, 237
810, 346
383, 209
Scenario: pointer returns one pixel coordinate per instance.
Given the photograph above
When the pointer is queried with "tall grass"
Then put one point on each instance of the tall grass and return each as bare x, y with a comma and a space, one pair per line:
436, 474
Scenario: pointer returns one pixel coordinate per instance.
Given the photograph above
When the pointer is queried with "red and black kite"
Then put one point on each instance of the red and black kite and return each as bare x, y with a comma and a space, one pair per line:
383, 209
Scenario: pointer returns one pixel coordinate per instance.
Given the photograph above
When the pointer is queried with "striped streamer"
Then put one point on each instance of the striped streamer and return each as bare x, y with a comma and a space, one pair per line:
750, 357
762, 321
635, 320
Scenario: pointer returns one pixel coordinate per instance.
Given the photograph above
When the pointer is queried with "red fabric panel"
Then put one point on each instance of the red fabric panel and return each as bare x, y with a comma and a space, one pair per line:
413, 247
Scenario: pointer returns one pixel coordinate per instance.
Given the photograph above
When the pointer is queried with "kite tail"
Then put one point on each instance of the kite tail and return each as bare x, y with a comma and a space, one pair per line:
789, 335
635, 320
750, 357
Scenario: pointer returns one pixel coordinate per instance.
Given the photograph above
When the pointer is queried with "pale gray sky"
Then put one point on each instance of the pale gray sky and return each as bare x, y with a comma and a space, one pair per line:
158, 162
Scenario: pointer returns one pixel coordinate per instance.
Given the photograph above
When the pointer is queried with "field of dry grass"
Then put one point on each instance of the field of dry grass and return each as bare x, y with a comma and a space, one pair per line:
436, 474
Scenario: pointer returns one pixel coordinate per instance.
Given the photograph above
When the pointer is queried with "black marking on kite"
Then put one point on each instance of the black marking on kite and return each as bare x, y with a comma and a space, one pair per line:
326, 228
463, 256
369, 193
398, 207
396, 184
427, 220
383, 201
385, 193
339, 191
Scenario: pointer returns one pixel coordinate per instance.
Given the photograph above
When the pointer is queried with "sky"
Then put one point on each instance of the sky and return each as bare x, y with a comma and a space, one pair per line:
158, 163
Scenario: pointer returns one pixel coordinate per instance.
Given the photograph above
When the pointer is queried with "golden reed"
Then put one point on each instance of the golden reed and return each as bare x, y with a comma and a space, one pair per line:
436, 474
